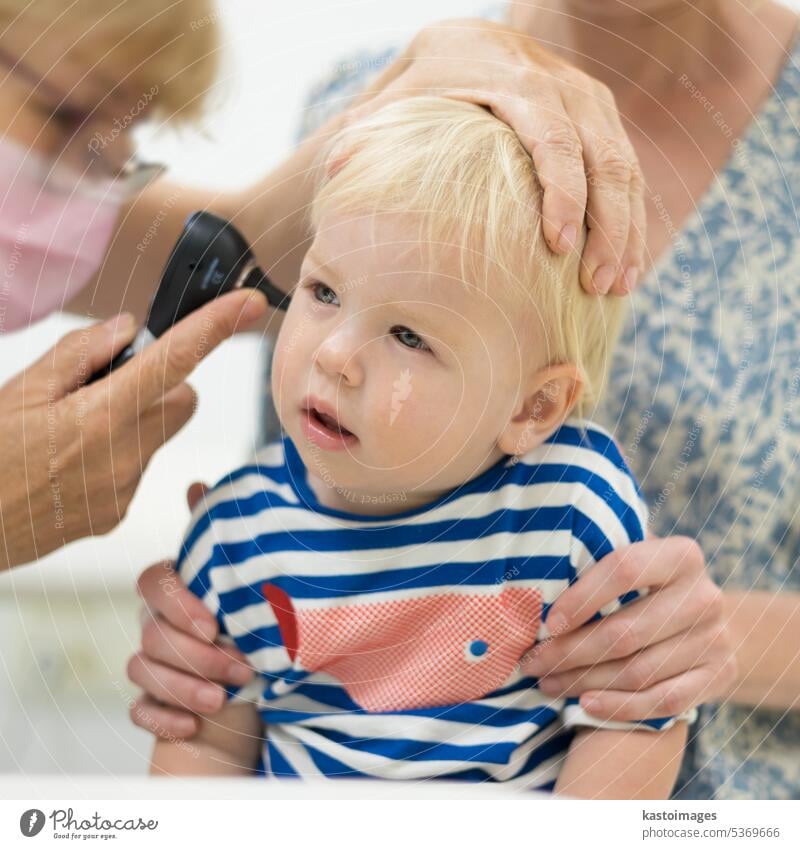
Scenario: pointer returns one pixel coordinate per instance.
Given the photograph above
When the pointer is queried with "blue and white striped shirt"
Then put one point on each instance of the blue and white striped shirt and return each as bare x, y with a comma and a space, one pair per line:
389, 646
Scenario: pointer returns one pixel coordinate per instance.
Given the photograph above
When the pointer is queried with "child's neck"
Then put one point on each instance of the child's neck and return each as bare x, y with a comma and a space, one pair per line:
368, 503
386, 503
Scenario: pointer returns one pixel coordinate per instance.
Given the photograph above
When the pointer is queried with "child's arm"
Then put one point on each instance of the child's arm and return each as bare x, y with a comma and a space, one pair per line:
228, 743
605, 764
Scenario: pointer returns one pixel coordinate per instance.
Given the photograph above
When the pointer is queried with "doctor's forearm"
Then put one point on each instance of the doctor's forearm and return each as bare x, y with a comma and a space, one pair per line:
271, 215
766, 634
139, 248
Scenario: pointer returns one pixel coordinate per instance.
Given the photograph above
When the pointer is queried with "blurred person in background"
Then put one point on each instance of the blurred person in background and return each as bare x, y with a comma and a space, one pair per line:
75, 79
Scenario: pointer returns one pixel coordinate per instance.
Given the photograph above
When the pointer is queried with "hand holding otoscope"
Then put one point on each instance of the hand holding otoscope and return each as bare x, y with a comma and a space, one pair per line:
105, 436
209, 259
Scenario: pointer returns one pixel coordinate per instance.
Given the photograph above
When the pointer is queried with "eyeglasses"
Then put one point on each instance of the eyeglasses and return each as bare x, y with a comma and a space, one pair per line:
88, 152
84, 154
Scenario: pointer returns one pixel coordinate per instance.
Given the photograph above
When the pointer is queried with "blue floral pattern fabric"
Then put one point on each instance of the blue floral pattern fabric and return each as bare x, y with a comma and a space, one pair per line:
703, 401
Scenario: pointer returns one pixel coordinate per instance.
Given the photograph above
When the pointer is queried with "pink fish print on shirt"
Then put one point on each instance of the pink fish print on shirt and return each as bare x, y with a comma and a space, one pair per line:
434, 650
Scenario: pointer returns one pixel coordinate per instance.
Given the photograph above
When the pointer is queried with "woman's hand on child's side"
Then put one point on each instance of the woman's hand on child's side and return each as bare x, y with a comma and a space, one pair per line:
657, 656
179, 666
567, 120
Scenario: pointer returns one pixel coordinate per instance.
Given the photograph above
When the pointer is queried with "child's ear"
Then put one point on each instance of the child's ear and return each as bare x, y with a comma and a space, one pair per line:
548, 400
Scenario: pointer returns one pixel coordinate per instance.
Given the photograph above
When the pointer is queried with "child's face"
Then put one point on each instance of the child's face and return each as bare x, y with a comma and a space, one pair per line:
422, 372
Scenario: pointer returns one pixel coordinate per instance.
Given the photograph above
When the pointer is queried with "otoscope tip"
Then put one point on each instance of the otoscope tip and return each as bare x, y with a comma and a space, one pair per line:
256, 279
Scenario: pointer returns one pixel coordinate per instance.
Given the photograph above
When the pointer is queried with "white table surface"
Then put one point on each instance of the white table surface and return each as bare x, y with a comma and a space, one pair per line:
93, 788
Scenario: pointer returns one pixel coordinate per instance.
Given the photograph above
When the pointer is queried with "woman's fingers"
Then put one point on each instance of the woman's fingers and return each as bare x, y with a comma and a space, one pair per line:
164, 419
172, 687
651, 563
163, 643
656, 656
165, 594
625, 632
666, 698
166, 363
567, 121
163, 721
196, 492
107, 432
179, 662
634, 258
72, 360
610, 165
615, 205
547, 131
655, 663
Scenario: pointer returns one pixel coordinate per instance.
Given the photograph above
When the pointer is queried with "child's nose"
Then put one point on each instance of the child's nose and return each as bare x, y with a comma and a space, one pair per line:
340, 357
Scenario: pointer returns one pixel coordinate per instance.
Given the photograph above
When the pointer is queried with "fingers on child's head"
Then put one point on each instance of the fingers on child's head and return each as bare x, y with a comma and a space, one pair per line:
335, 162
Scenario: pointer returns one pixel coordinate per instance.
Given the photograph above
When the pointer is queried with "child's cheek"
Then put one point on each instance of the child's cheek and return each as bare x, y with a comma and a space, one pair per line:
397, 401
412, 414
281, 362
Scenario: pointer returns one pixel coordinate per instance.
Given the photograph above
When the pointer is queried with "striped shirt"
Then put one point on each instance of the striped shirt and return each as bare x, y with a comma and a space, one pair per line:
389, 646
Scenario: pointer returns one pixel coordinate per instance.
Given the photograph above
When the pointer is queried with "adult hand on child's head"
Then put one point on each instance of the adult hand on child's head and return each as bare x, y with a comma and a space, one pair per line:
657, 656
567, 120
179, 666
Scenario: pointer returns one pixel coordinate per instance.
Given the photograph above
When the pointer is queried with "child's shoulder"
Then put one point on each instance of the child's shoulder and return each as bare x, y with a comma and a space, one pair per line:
584, 460
581, 443
237, 506
267, 472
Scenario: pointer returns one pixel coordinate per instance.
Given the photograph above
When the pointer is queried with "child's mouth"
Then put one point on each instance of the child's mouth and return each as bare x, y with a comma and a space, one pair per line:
329, 422
324, 430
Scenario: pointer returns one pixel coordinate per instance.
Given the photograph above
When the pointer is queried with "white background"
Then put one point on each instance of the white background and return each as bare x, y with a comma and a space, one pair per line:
275, 51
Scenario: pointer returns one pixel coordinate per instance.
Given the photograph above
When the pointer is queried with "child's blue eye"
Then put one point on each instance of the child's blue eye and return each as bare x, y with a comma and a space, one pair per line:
409, 338
324, 294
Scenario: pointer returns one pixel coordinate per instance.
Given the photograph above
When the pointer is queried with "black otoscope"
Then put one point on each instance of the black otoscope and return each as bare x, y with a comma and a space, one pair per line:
210, 258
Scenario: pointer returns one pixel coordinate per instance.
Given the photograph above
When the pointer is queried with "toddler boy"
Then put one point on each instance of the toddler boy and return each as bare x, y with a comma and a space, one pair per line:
389, 563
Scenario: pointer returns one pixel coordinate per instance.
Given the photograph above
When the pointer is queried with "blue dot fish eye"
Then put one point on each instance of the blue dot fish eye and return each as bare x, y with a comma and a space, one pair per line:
478, 647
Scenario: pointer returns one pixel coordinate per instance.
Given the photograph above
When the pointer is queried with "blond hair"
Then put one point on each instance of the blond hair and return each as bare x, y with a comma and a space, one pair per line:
168, 52
475, 185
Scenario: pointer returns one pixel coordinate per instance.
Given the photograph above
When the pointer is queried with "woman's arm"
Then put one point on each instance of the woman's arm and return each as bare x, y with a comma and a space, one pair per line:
566, 120
228, 744
604, 764
147, 229
271, 215
765, 628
